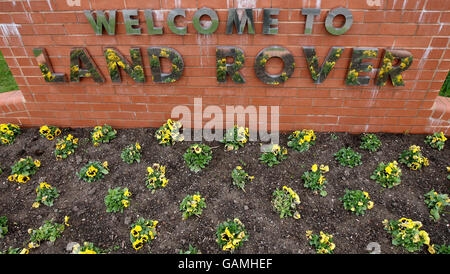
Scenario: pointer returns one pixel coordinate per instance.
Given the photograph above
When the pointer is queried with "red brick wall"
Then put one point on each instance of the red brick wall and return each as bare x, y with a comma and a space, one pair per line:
421, 27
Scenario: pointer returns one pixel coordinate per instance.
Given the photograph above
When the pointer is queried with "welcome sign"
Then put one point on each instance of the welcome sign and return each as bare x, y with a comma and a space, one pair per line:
229, 59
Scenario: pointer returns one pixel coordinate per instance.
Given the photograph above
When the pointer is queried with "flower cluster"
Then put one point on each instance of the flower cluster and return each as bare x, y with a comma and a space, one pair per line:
235, 138
93, 171
356, 201
231, 235
141, 232
87, 248
387, 175
285, 202
370, 142
192, 205
49, 231
436, 202
23, 169
103, 134
169, 133
406, 233
315, 180
49, 132
3, 226
301, 140
65, 146
131, 153
156, 177
240, 177
197, 157
437, 140
413, 158
348, 157
45, 194
8, 133
117, 199
323, 243
273, 155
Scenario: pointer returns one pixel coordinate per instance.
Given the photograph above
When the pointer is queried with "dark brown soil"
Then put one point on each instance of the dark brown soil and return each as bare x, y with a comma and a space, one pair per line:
89, 221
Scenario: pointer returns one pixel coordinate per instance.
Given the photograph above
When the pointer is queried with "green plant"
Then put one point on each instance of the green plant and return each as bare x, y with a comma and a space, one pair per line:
439, 249
87, 248
117, 199
387, 175
49, 231
8, 133
301, 140
413, 158
230, 235
406, 233
334, 136
3, 226
131, 153
7, 81
436, 202
323, 243
192, 205
142, 231
445, 89
17, 250
156, 177
235, 138
65, 147
49, 132
356, 201
23, 169
93, 171
169, 133
45, 194
273, 155
103, 134
437, 140
197, 157
348, 157
315, 180
191, 250
370, 142
285, 202
240, 177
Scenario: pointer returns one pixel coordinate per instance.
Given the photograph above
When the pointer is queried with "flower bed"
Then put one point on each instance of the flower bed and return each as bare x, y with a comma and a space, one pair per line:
84, 202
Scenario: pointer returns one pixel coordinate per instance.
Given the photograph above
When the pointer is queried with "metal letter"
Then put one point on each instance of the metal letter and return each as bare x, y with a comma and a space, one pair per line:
357, 66
151, 29
130, 23
310, 13
115, 60
171, 21
387, 69
246, 19
214, 21
46, 67
78, 57
271, 52
154, 53
97, 25
223, 68
320, 74
330, 17
269, 21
